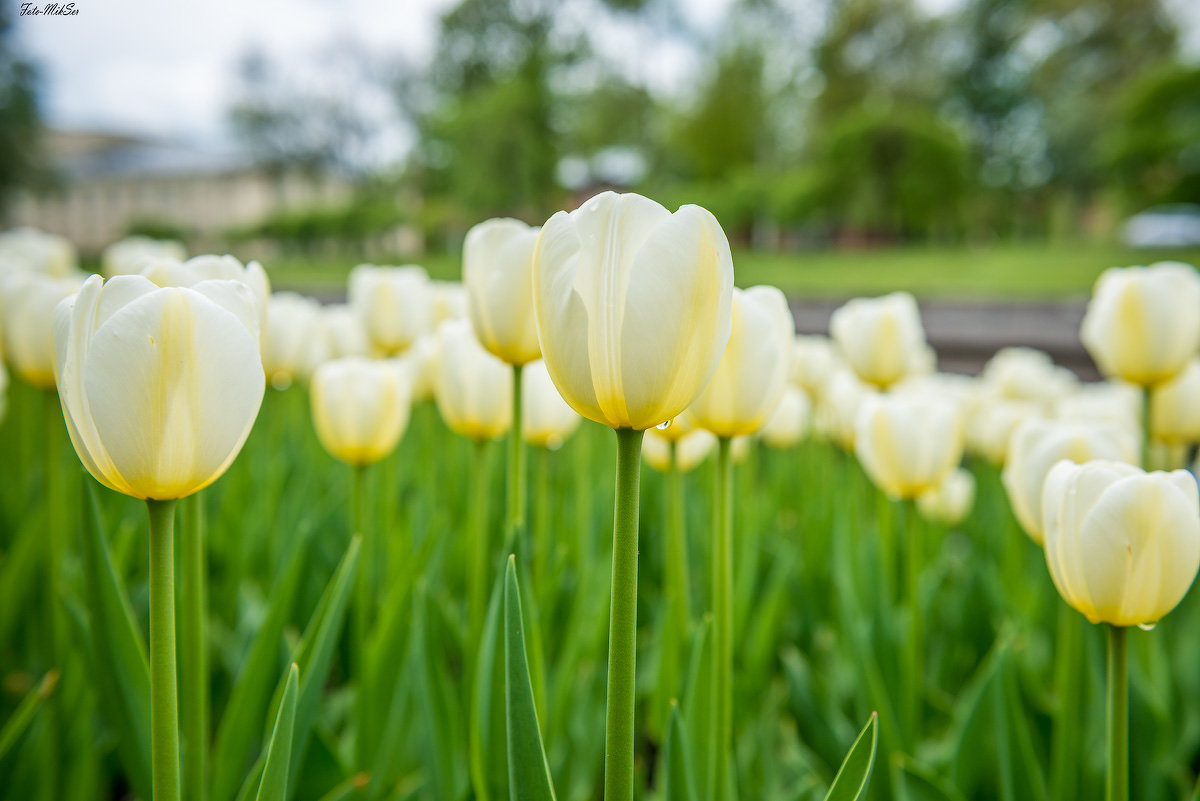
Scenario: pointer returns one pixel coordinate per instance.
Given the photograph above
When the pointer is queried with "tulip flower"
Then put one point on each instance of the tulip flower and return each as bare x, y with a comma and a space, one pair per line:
881, 338
471, 386
449, 301
159, 389
548, 420
1141, 323
1123, 547
690, 450
908, 445
171, 272
395, 303
814, 361
360, 408
28, 315
950, 501
293, 322
498, 276
31, 250
345, 334
992, 424
632, 305
420, 361
1112, 402
752, 373
1175, 407
1027, 374
788, 424
132, 254
1037, 445
837, 412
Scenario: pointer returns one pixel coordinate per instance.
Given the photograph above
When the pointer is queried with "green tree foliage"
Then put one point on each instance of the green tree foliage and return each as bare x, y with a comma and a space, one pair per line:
1154, 144
20, 127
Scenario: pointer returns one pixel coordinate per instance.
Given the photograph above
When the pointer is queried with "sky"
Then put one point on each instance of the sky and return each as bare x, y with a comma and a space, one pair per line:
168, 68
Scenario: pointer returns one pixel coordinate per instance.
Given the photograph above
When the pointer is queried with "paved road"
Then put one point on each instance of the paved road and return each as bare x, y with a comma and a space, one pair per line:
966, 333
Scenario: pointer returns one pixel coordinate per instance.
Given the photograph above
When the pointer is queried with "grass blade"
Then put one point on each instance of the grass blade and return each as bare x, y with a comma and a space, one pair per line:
279, 751
16, 725
528, 771
854, 776
679, 782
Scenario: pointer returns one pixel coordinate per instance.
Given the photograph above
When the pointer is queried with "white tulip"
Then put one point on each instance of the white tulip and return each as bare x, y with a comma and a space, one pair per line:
395, 303
472, 387
881, 338
360, 408
907, 444
547, 421
498, 275
789, 423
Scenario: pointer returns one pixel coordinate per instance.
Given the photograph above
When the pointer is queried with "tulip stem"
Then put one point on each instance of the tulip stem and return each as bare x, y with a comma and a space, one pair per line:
541, 525
164, 699
910, 525
1116, 787
677, 614
194, 647
622, 623
358, 526
722, 601
1147, 420
1064, 770
477, 538
516, 468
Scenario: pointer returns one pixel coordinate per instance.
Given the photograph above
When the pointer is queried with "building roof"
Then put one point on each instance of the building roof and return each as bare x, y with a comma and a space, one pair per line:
95, 154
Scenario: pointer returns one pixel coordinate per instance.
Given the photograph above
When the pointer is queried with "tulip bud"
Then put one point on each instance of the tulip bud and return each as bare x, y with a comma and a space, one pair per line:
1113, 402
690, 450
950, 501
1141, 324
31, 250
754, 369
395, 303
498, 275
632, 305
132, 254
1027, 374
360, 408
450, 302
837, 413
159, 386
788, 425
881, 338
1123, 546
546, 419
287, 342
1175, 406
1037, 445
420, 363
908, 445
992, 424
814, 361
171, 272
472, 387
28, 314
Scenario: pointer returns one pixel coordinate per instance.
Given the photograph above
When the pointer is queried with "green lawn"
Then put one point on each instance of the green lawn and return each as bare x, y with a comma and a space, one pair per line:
1019, 271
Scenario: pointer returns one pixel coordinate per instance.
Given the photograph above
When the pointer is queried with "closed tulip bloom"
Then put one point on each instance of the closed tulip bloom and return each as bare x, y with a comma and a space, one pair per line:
395, 303
31, 250
837, 412
679, 427
1175, 407
1027, 374
473, 388
345, 333
1141, 324
172, 272
788, 424
908, 445
547, 419
498, 275
132, 254
360, 408
690, 450
754, 369
1037, 445
632, 305
287, 344
949, 502
29, 301
881, 338
814, 361
1104, 402
449, 301
420, 363
159, 386
1122, 545
992, 424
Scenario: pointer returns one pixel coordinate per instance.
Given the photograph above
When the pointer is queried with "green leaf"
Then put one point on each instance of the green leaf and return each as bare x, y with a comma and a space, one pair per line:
528, 772
854, 776
487, 736
698, 701
16, 725
678, 782
251, 695
429, 674
122, 671
279, 751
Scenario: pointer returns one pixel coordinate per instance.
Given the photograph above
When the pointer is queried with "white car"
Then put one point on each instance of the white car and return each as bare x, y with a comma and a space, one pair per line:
1172, 226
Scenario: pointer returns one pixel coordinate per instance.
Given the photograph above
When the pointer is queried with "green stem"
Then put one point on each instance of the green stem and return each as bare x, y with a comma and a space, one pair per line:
1064, 770
1146, 429
194, 651
477, 540
358, 526
677, 557
622, 624
541, 527
164, 698
911, 524
516, 469
1116, 788
722, 599
54, 621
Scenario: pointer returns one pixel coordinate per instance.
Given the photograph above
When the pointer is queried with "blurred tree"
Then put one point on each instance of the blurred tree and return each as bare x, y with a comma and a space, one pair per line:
20, 126
1153, 145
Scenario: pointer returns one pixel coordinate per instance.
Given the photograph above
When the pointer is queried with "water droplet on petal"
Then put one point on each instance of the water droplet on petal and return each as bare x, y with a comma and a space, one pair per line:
1147, 626
663, 426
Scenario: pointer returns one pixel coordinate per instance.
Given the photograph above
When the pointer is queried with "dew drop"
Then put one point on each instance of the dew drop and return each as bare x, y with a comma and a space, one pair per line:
1147, 626
663, 426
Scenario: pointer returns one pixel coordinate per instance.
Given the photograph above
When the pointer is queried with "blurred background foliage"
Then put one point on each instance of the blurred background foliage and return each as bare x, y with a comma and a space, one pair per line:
799, 123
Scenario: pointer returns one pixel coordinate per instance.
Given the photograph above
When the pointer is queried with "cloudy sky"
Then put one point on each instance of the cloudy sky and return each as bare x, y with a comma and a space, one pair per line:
167, 68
